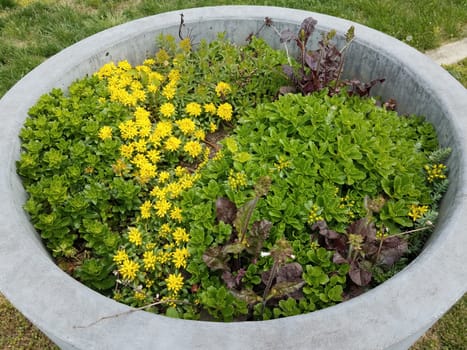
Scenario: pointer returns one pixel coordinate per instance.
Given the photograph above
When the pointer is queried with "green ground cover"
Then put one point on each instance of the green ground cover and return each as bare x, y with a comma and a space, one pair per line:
32, 31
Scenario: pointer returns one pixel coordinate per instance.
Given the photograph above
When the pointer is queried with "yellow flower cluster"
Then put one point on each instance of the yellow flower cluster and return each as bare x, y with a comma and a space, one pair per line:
223, 89
417, 211
193, 109
236, 180
435, 171
174, 282
105, 133
315, 214
134, 236
166, 127
348, 205
282, 163
128, 269
225, 111
121, 85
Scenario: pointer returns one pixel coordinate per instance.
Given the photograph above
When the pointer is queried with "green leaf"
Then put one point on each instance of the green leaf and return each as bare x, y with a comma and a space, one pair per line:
335, 293
231, 144
242, 157
172, 312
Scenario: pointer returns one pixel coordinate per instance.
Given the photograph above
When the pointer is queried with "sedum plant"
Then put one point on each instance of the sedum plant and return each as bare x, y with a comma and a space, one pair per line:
186, 186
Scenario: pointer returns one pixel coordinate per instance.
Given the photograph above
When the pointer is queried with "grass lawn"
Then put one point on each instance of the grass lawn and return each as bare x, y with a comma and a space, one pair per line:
32, 31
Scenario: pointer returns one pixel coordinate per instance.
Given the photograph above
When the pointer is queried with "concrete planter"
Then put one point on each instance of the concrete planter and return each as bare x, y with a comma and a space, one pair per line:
391, 316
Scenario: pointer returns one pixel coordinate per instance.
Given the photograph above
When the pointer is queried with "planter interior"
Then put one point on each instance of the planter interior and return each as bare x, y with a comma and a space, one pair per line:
391, 316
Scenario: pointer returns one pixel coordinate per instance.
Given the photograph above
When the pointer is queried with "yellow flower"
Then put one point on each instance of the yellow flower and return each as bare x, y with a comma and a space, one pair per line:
144, 69
138, 95
224, 111
169, 90
149, 260
210, 108
139, 160
315, 214
134, 236
164, 230
147, 172
124, 65
179, 257
149, 61
200, 134
142, 116
156, 77
172, 143
193, 109
193, 148
222, 89
128, 269
127, 150
176, 214
153, 88
186, 126
163, 257
417, 211
180, 171
185, 44
136, 85
167, 109
163, 129
105, 133
174, 282
236, 180
174, 75
158, 192
162, 207
149, 283
175, 189
119, 167
140, 145
120, 256
139, 295
187, 181
128, 129
106, 70
145, 131
163, 176
162, 56
435, 171
154, 155
180, 235
212, 127
282, 163
146, 210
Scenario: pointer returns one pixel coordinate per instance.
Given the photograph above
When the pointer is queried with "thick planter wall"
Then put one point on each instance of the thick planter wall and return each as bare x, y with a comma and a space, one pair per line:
391, 316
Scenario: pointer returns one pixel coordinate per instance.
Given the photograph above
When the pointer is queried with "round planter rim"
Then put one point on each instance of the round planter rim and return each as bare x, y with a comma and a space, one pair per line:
414, 298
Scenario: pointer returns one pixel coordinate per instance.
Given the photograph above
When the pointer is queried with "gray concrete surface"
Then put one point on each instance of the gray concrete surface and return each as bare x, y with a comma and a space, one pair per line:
449, 53
391, 316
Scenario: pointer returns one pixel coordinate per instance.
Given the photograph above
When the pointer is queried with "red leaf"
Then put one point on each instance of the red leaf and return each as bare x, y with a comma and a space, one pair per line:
359, 275
226, 210
392, 250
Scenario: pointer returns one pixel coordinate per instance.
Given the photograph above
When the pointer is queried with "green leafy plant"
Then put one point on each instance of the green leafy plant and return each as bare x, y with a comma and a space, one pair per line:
185, 184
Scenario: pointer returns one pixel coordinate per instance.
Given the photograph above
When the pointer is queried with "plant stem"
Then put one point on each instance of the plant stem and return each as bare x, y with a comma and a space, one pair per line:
268, 286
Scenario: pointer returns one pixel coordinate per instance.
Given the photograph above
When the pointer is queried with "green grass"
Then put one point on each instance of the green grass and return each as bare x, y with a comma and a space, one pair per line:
30, 34
449, 333
459, 71
32, 31
16, 332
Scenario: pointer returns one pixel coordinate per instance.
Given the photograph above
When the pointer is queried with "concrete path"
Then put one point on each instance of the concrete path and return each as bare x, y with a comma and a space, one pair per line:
449, 53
